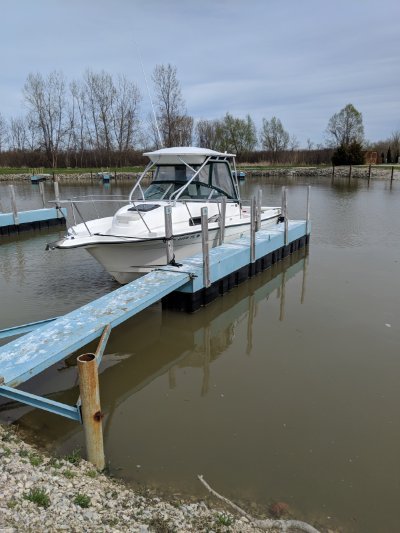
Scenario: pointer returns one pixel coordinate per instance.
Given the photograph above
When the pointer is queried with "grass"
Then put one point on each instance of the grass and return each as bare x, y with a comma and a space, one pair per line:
30, 170
11, 504
38, 496
74, 457
82, 500
92, 473
223, 519
6, 452
54, 463
68, 473
35, 460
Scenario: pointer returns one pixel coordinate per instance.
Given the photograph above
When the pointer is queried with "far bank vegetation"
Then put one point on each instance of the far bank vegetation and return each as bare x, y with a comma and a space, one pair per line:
97, 121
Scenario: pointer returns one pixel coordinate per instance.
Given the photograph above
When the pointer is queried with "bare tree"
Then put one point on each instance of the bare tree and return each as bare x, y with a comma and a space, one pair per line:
18, 138
125, 119
3, 132
207, 134
345, 127
47, 104
274, 137
175, 125
100, 96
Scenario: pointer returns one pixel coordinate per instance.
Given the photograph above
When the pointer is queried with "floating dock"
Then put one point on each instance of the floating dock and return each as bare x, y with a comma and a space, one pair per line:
16, 222
195, 282
35, 219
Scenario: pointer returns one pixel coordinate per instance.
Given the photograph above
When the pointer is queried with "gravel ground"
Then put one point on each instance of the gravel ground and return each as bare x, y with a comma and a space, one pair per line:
39, 493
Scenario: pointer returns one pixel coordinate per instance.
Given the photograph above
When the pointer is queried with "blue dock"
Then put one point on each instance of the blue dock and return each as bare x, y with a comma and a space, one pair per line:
184, 287
35, 219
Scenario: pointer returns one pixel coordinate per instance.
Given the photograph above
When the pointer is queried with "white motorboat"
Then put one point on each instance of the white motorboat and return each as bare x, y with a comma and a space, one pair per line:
133, 241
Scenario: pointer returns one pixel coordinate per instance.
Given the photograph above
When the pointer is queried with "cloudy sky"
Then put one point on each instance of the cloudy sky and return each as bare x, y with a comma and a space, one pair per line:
299, 60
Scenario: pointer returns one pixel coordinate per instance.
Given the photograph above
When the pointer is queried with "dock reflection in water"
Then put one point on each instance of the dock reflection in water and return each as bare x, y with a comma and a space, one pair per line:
158, 385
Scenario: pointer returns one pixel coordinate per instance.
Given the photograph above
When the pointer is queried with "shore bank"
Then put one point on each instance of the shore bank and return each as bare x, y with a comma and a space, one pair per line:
39, 493
361, 172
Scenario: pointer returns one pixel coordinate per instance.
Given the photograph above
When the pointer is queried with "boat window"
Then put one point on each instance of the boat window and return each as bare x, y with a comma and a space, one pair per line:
173, 173
221, 178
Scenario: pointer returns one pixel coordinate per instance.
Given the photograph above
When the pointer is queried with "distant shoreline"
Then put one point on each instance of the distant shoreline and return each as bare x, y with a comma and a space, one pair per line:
380, 172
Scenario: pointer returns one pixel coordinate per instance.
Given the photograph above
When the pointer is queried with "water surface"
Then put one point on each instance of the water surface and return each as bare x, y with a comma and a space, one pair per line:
284, 389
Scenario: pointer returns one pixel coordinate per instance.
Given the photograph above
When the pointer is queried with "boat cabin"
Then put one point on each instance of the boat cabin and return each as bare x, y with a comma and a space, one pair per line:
190, 174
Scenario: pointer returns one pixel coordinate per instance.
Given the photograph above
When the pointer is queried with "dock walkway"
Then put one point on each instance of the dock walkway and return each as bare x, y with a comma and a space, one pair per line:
185, 287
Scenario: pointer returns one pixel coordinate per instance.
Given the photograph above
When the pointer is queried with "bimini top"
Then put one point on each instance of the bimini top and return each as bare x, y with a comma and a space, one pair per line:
189, 154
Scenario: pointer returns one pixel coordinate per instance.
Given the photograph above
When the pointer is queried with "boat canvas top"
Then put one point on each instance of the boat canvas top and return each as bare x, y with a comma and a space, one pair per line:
190, 154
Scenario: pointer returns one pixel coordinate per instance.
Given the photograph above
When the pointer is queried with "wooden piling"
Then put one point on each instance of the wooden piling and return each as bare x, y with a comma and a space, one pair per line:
350, 170
91, 410
284, 214
308, 209
258, 213
222, 218
205, 247
391, 175
14, 205
42, 194
253, 223
168, 233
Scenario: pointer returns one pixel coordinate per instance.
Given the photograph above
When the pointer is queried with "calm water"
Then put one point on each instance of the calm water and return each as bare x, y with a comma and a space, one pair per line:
284, 389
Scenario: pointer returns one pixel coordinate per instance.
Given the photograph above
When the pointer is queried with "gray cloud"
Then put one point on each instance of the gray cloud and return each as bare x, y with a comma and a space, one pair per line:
301, 61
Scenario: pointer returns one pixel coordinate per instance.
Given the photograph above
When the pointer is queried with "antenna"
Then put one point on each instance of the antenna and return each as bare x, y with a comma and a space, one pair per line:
151, 100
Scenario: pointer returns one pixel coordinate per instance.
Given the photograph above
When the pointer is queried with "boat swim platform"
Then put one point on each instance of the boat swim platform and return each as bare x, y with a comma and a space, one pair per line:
36, 219
181, 287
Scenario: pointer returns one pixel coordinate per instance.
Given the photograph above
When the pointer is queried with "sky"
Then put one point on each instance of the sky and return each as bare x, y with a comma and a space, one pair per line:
299, 60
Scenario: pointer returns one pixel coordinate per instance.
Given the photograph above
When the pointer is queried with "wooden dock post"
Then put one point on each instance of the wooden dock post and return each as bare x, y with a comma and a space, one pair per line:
391, 176
259, 202
168, 233
308, 209
284, 214
333, 172
14, 205
253, 222
222, 217
204, 247
369, 173
350, 170
91, 411
57, 193
41, 189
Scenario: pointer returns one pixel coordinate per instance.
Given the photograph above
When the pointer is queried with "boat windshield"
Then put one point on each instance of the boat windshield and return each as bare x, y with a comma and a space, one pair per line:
213, 181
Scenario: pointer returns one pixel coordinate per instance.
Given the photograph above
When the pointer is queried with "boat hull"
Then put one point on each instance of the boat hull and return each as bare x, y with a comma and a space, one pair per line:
127, 261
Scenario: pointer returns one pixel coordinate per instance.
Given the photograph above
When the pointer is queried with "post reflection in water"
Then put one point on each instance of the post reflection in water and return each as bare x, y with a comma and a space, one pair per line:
158, 345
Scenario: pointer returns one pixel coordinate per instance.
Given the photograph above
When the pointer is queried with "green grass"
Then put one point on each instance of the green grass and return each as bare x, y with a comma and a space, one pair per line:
74, 457
30, 170
82, 500
92, 473
223, 519
23, 453
38, 496
11, 504
6, 452
68, 473
35, 460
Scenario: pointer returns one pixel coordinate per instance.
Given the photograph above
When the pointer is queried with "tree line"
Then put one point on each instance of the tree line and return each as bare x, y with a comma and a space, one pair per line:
96, 121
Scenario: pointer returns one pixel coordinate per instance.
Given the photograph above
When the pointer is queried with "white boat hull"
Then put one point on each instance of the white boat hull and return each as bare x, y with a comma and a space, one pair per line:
127, 261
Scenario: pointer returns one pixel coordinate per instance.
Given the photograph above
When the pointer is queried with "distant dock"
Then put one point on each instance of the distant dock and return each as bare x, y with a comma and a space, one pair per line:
36, 219
16, 222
